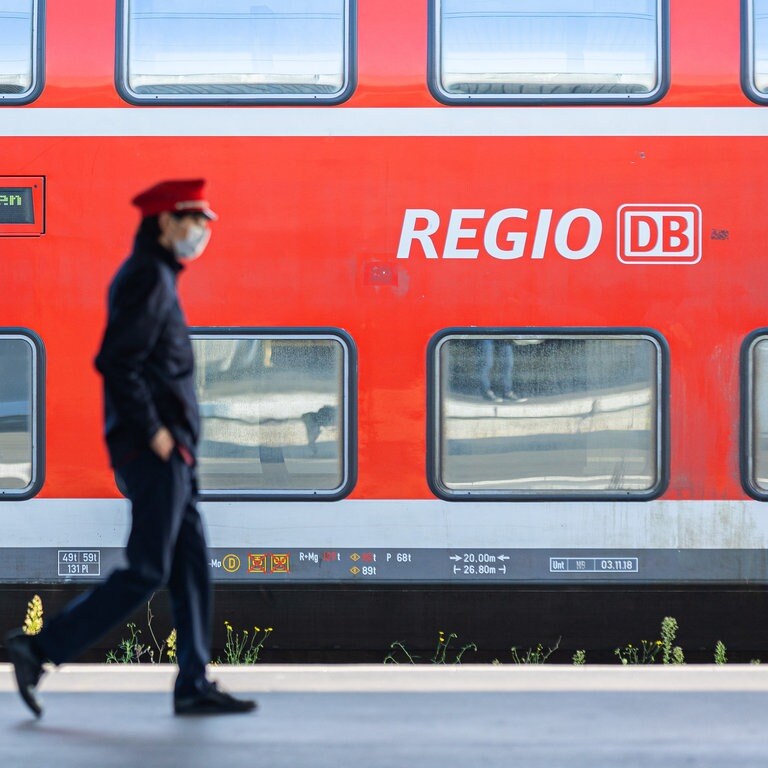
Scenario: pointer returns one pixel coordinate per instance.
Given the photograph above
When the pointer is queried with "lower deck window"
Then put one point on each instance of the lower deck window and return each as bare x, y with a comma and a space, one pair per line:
276, 414
20, 449
756, 416
546, 415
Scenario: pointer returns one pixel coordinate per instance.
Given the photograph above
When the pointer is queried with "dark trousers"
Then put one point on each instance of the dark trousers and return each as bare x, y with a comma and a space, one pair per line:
166, 547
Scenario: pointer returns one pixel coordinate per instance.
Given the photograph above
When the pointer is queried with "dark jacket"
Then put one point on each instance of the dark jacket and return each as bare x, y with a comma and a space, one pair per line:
146, 356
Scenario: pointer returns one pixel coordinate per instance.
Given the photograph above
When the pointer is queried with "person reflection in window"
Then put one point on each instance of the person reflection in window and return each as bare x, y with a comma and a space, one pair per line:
498, 353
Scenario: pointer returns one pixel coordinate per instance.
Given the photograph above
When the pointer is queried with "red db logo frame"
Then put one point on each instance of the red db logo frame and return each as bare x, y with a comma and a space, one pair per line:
659, 234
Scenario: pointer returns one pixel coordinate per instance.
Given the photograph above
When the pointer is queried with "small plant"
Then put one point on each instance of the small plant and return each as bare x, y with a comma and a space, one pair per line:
130, 650
645, 654
648, 650
159, 646
397, 648
442, 649
720, 657
33, 621
579, 658
535, 655
440, 655
243, 648
170, 644
671, 654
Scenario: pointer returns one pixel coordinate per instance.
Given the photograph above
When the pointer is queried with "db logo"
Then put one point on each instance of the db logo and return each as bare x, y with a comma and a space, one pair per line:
659, 234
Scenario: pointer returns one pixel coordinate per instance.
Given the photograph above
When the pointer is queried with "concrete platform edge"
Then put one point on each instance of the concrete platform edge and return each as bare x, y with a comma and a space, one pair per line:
93, 678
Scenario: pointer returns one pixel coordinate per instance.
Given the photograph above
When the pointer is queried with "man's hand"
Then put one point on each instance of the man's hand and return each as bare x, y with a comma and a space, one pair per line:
162, 443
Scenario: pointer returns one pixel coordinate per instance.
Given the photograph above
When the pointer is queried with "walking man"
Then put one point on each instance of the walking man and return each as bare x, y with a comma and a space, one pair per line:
152, 426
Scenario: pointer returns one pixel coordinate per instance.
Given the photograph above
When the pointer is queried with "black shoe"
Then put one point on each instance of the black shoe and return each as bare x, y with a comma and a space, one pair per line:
212, 701
27, 666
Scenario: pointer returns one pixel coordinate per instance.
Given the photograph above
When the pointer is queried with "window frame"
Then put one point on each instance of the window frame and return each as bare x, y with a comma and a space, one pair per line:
627, 99
143, 100
37, 418
748, 54
348, 407
434, 436
746, 420
38, 61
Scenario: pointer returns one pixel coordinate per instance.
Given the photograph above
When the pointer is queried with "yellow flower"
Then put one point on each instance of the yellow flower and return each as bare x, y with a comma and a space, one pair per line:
171, 643
33, 622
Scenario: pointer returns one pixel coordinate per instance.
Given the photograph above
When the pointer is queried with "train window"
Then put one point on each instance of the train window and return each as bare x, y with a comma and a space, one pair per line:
22, 367
755, 49
21, 52
277, 413
754, 454
545, 414
274, 51
539, 51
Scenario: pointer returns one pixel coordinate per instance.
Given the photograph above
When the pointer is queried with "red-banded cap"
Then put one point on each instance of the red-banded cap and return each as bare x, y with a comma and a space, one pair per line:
176, 196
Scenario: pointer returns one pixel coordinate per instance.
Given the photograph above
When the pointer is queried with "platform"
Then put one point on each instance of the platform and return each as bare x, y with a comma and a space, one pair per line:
380, 716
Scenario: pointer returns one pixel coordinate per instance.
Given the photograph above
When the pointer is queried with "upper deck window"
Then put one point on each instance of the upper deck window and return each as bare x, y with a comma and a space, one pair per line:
176, 51
755, 50
20, 50
518, 51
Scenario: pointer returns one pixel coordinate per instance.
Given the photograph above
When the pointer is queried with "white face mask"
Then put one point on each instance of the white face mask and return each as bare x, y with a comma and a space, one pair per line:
193, 244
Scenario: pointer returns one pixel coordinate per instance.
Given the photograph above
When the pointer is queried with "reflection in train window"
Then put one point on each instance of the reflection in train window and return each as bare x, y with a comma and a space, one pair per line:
206, 50
756, 58
20, 44
276, 414
533, 50
20, 449
757, 416
546, 414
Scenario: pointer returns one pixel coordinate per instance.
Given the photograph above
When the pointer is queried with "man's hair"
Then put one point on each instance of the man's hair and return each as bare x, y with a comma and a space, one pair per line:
149, 228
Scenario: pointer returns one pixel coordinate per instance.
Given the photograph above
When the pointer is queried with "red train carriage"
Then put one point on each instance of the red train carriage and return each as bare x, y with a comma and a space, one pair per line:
480, 334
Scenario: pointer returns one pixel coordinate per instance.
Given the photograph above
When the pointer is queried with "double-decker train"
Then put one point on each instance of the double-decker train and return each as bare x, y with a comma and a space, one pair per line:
482, 332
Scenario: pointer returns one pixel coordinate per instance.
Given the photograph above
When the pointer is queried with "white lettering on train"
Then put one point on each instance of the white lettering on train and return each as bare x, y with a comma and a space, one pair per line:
420, 225
649, 233
456, 233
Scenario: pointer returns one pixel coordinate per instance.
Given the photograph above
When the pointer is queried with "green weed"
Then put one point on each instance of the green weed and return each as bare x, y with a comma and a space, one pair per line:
399, 654
646, 653
243, 647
